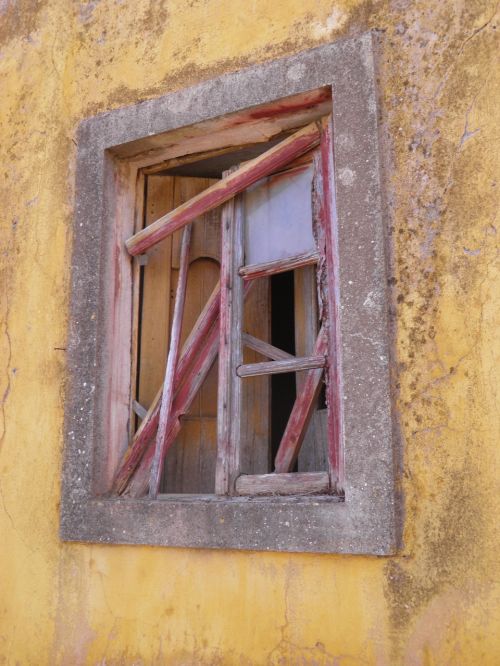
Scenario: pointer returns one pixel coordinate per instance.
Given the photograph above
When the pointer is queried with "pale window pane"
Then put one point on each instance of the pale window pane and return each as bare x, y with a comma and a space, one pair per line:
278, 216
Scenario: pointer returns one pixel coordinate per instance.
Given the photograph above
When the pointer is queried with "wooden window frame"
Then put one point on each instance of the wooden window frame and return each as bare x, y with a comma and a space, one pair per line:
115, 150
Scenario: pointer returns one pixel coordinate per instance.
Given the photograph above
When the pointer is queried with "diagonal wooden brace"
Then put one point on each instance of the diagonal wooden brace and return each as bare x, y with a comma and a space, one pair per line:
301, 413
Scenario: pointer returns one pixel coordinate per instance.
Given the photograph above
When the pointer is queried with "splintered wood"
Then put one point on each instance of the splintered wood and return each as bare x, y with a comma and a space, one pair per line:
325, 186
287, 150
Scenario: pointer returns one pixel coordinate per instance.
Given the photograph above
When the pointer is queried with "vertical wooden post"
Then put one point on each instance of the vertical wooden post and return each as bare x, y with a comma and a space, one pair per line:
329, 224
173, 353
313, 452
230, 349
139, 218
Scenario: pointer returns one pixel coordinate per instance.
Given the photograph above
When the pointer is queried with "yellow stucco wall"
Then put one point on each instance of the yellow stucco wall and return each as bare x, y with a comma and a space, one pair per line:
436, 604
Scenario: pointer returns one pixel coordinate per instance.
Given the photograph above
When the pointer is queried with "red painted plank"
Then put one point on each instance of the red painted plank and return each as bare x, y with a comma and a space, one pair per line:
328, 220
173, 353
225, 189
301, 413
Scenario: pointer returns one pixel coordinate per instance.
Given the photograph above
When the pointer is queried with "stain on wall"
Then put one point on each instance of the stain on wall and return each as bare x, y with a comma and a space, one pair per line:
434, 604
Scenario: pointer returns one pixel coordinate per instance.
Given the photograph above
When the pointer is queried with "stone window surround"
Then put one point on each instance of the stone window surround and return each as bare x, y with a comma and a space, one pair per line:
367, 521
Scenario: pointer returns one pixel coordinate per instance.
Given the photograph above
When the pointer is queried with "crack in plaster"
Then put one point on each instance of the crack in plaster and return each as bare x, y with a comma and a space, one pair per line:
7, 372
461, 50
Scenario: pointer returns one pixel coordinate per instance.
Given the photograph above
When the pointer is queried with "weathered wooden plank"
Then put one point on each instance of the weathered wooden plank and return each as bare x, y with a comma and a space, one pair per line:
139, 410
301, 413
255, 125
147, 429
154, 326
328, 220
173, 353
117, 330
190, 463
266, 269
264, 348
279, 367
300, 161
307, 483
230, 349
252, 171
313, 451
139, 217
256, 391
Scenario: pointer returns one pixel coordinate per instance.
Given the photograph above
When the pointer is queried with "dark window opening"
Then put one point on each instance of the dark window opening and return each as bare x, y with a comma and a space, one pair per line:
283, 389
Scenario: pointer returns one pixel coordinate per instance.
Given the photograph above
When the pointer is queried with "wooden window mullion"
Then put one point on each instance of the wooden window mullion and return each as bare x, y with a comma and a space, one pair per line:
230, 349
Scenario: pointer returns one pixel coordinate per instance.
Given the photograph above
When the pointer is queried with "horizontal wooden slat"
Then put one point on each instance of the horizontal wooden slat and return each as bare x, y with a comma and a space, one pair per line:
306, 483
265, 348
279, 367
252, 171
253, 271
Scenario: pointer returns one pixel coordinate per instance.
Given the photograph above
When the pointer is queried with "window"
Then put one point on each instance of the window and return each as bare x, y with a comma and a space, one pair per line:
291, 184
270, 225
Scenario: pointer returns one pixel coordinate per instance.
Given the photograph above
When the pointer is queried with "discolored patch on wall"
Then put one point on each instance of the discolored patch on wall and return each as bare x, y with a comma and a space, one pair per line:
19, 18
449, 553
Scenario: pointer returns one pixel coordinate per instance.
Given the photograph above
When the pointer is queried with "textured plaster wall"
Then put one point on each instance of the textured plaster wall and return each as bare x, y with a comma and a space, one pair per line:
436, 603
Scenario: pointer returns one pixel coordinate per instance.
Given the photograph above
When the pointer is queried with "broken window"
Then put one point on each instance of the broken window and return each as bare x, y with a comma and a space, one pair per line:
248, 306
240, 275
